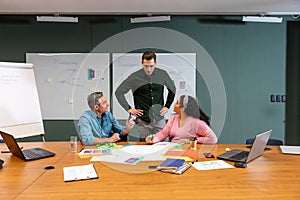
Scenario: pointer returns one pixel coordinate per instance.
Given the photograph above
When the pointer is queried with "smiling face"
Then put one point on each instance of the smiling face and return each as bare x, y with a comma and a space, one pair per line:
149, 66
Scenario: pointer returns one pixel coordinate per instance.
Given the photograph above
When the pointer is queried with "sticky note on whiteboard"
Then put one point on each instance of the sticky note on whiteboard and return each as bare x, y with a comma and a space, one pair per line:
70, 101
49, 80
91, 74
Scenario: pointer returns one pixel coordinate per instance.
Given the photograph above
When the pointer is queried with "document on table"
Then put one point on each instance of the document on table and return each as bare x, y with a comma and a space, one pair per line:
153, 152
120, 156
213, 164
290, 149
80, 172
157, 148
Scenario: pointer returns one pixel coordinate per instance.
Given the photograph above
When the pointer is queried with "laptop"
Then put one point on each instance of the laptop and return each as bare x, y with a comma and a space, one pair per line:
27, 154
257, 149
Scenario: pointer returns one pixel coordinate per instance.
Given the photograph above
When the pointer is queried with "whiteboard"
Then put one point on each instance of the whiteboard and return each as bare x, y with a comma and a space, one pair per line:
20, 113
181, 67
65, 80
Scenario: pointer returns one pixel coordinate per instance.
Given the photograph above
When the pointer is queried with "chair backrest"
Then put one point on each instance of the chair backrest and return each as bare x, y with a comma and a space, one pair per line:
271, 142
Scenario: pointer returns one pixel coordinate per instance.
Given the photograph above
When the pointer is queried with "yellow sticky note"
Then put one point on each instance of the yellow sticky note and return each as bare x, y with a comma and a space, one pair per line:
49, 80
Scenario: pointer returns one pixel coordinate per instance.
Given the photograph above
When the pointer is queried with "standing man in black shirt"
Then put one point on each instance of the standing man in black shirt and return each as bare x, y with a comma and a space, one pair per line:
147, 86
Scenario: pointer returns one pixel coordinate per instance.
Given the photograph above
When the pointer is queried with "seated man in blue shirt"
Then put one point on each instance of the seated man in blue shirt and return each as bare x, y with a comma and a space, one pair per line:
98, 125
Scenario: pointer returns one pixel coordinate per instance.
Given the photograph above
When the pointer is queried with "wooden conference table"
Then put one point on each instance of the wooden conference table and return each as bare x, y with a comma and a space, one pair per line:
272, 176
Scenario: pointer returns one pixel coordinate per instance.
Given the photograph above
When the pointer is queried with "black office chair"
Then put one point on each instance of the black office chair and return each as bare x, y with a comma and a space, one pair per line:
271, 142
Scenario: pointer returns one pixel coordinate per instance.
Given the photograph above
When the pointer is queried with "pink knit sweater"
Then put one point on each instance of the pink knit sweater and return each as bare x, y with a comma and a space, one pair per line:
192, 128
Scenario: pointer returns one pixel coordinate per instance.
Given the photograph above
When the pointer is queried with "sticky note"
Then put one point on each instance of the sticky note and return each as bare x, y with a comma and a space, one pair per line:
70, 100
49, 80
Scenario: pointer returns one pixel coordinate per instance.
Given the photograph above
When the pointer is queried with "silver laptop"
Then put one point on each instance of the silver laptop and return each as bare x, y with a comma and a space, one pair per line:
27, 154
257, 149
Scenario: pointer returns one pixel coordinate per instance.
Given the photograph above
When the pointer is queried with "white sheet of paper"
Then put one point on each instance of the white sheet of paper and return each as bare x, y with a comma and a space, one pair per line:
290, 149
213, 164
149, 152
119, 156
149, 149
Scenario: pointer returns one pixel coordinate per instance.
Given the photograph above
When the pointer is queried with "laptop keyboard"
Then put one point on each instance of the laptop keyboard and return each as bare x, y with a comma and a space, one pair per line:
30, 154
36, 153
240, 156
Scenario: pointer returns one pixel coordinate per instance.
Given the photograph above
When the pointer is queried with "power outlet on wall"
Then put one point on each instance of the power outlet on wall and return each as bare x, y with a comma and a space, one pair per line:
277, 98
272, 98
283, 98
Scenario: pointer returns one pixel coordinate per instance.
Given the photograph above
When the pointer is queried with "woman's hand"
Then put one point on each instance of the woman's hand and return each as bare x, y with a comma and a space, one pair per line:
149, 138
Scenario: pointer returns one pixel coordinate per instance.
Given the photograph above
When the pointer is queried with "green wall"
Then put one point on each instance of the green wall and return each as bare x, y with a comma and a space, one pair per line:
251, 58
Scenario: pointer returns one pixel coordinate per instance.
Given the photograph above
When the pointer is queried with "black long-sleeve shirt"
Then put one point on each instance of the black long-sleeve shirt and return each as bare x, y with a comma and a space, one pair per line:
148, 92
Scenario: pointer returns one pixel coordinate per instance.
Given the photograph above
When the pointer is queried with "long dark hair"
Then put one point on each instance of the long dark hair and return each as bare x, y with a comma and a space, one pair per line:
193, 109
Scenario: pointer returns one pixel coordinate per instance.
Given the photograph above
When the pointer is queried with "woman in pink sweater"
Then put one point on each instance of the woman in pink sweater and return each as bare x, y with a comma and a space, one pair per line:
188, 122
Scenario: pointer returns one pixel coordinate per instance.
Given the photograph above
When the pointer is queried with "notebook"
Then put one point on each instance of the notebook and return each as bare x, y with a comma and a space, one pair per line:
81, 172
180, 170
171, 163
257, 149
27, 154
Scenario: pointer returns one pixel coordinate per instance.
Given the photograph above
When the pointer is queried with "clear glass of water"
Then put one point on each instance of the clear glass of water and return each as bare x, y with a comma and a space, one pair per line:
73, 143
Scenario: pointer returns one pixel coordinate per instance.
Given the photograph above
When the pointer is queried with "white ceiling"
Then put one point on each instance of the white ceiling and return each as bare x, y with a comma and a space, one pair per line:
175, 7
